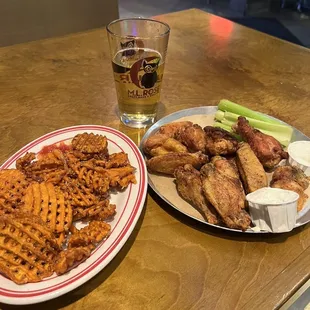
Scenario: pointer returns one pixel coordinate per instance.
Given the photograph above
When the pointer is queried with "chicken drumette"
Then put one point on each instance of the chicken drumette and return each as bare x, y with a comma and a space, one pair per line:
267, 149
220, 141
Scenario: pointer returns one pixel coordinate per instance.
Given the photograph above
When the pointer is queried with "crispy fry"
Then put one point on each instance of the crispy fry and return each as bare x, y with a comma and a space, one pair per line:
27, 248
67, 259
90, 143
102, 211
41, 199
13, 185
51, 167
95, 232
48, 202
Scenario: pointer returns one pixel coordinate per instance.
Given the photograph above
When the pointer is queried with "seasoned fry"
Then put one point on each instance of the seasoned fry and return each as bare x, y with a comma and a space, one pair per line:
42, 199
90, 143
13, 185
47, 201
67, 259
27, 248
95, 232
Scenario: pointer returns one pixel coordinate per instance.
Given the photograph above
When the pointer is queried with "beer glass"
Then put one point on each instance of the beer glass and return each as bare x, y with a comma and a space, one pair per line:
138, 49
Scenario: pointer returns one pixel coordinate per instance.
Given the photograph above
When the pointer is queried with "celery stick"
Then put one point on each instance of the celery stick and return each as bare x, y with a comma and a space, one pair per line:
282, 133
228, 123
219, 115
227, 128
226, 105
258, 124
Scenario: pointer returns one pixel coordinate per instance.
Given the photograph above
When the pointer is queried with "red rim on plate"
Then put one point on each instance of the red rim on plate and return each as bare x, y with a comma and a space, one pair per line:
134, 201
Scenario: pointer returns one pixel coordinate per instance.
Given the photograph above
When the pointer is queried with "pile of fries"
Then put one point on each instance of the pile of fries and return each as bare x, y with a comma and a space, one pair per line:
45, 195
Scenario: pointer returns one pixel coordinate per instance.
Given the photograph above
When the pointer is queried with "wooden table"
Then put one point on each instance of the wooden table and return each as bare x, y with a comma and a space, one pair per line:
170, 261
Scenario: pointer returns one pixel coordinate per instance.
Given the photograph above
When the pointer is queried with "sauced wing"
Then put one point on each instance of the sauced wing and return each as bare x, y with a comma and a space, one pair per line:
189, 186
169, 162
251, 170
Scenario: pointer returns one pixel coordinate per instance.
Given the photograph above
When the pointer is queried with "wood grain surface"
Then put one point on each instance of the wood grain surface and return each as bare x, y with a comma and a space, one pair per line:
170, 261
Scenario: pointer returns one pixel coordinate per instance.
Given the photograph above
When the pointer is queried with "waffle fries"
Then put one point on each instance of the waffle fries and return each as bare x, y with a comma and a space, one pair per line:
47, 201
41, 200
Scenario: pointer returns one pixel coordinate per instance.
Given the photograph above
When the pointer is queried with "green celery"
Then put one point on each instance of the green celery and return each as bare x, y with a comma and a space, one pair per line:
226, 105
281, 129
227, 128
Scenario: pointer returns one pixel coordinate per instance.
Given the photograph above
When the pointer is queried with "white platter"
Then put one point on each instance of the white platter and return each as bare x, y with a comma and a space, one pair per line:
165, 188
129, 205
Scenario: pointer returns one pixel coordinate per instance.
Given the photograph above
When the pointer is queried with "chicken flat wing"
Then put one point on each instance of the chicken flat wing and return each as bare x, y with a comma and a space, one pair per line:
225, 196
169, 162
292, 173
292, 186
267, 149
251, 170
193, 137
229, 169
189, 186
220, 141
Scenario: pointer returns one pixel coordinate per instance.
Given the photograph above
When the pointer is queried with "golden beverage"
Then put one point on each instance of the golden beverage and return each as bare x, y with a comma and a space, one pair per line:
138, 73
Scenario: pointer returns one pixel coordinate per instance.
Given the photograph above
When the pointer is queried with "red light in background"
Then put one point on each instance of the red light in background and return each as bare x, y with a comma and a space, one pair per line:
221, 27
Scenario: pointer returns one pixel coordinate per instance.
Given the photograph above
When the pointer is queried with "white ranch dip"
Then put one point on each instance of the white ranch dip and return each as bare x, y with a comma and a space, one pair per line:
300, 152
272, 196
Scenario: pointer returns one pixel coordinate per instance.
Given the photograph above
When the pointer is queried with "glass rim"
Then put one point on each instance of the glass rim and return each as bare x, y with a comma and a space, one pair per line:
137, 18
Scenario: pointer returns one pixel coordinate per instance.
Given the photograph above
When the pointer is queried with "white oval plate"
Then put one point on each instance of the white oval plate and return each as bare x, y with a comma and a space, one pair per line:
129, 205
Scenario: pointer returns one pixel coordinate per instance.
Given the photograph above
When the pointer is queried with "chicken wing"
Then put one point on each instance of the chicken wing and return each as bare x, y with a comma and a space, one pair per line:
251, 170
229, 169
189, 186
267, 149
294, 179
220, 141
292, 173
225, 196
169, 162
154, 141
291, 185
171, 145
172, 129
193, 137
